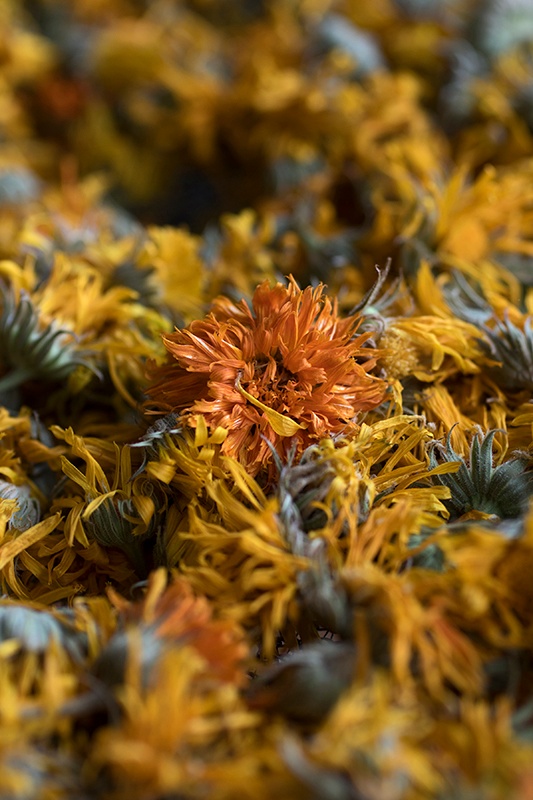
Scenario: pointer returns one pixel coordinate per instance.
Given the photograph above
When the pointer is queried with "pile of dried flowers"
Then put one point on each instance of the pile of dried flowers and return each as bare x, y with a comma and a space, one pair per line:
266, 526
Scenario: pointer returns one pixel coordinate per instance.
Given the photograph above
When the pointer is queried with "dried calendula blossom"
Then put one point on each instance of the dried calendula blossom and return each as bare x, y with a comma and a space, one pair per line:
235, 553
285, 368
304, 686
32, 349
119, 511
170, 615
501, 490
180, 290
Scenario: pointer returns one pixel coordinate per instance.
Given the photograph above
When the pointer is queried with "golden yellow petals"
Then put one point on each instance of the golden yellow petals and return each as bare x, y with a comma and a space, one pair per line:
9, 550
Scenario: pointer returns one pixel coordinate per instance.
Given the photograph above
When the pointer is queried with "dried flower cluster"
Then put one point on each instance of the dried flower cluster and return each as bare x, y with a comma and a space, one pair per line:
266, 516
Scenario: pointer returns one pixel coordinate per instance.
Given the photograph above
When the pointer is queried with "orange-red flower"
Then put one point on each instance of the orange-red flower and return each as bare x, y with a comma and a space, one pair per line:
286, 369
174, 615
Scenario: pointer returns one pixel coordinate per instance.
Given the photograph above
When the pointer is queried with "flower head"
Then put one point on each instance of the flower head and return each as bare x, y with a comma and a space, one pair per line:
31, 349
170, 615
286, 368
502, 490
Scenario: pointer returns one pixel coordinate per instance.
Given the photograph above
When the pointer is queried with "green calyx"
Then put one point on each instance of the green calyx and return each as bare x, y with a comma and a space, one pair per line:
501, 490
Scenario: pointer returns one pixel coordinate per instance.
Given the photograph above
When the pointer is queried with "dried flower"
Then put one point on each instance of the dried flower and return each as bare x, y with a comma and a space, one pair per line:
503, 490
31, 350
512, 347
122, 512
285, 368
168, 616
305, 685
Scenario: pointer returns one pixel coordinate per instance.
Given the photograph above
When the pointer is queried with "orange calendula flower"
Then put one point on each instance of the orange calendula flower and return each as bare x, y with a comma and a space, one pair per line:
174, 615
287, 368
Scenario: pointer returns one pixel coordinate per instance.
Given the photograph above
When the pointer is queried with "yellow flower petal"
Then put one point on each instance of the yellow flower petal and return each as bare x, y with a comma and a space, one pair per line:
34, 534
96, 503
282, 425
